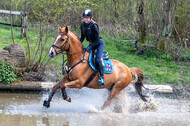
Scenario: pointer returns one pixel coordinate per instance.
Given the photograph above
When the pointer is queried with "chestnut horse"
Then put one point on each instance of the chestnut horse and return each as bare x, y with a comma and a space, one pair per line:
81, 71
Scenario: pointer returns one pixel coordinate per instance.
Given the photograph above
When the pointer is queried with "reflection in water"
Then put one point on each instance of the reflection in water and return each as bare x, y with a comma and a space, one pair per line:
45, 121
126, 110
103, 119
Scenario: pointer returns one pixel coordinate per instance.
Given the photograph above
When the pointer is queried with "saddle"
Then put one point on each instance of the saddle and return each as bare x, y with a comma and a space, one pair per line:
105, 56
108, 65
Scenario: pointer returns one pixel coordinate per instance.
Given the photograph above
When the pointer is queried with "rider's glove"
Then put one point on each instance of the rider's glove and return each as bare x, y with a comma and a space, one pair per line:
87, 48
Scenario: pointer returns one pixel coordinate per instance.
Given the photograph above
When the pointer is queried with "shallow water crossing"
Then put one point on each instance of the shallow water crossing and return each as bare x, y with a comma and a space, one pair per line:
25, 109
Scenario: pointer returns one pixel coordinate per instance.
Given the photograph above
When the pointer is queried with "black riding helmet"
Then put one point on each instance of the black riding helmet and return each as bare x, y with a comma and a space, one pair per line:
88, 13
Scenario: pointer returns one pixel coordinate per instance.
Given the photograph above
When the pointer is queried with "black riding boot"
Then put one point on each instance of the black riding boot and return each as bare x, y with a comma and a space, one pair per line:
100, 68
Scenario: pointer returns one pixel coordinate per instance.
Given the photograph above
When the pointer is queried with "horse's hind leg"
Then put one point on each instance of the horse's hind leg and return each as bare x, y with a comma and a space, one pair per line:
113, 92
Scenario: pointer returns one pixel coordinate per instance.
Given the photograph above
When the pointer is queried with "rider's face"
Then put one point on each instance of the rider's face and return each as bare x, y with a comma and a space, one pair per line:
87, 20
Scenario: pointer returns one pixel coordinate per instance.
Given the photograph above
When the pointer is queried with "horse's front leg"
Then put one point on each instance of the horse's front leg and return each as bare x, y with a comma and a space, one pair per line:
71, 84
64, 95
46, 103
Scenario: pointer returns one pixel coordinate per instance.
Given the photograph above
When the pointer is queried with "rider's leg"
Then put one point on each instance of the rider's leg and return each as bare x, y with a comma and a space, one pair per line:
100, 68
99, 62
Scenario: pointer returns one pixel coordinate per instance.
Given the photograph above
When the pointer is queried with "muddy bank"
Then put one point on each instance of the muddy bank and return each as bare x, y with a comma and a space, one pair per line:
49, 74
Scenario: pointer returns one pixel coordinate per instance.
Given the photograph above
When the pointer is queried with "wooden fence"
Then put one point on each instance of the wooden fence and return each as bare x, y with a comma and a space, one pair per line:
23, 20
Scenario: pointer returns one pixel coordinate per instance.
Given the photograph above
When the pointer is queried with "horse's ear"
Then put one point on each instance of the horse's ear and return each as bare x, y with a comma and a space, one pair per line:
66, 29
60, 29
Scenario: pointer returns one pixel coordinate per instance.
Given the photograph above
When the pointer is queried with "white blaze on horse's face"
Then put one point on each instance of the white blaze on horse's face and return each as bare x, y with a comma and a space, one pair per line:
52, 52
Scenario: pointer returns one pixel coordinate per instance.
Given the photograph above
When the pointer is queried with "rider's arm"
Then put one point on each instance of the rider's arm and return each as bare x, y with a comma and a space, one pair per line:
82, 35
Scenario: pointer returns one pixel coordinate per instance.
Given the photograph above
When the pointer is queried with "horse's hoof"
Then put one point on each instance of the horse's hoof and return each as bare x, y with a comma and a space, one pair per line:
46, 104
68, 99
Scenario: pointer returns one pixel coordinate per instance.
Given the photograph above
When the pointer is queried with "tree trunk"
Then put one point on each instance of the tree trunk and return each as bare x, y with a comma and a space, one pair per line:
142, 23
167, 25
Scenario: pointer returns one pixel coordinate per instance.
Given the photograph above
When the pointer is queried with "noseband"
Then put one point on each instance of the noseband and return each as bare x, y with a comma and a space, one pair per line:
61, 47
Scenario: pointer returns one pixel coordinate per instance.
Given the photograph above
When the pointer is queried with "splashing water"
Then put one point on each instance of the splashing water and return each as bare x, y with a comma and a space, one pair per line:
125, 109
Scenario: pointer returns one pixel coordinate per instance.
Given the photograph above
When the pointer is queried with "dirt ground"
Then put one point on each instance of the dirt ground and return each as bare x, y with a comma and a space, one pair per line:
50, 74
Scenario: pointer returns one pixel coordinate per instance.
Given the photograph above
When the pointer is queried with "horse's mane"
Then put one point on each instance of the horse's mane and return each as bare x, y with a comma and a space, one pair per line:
77, 37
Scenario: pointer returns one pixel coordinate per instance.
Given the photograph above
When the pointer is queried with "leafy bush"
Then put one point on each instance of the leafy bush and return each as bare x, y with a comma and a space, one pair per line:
7, 74
127, 47
186, 58
167, 57
152, 53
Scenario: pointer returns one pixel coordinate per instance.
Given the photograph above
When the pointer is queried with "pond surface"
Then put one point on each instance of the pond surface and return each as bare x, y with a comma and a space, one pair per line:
25, 109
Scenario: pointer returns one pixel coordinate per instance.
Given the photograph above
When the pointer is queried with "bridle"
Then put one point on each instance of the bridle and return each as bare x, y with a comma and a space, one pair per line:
62, 48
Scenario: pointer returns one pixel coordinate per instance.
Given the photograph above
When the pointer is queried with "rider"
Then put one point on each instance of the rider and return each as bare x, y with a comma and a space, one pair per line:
90, 31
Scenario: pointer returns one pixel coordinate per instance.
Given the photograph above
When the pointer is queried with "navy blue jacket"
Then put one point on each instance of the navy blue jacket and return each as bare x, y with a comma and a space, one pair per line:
91, 33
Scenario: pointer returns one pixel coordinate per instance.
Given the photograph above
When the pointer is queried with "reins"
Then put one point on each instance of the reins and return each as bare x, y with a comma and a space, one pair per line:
62, 48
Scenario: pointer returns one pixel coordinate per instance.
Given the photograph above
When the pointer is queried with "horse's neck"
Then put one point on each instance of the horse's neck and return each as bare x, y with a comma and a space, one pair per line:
75, 52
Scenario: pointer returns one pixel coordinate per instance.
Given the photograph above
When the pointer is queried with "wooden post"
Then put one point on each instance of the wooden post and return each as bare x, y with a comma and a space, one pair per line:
23, 17
21, 23
12, 24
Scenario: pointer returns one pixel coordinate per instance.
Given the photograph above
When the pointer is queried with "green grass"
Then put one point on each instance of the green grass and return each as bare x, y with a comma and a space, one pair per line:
157, 66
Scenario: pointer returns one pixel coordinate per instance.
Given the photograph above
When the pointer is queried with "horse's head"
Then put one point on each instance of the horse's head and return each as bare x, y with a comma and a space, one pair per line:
61, 42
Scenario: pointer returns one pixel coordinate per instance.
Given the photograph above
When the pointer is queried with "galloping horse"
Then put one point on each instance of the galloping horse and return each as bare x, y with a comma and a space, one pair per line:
81, 71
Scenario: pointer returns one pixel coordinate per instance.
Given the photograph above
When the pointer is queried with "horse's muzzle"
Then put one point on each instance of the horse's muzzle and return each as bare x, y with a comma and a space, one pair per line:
51, 54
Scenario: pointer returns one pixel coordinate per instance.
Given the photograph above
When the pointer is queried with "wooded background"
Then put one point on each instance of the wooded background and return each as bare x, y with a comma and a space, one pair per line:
159, 24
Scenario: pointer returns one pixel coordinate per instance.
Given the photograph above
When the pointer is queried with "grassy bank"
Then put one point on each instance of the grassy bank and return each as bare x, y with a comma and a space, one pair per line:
158, 67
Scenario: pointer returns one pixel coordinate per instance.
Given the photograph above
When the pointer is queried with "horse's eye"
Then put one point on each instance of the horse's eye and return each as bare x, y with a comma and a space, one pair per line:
62, 39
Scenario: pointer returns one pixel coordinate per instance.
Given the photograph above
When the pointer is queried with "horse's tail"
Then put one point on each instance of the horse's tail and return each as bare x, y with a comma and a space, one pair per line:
138, 75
